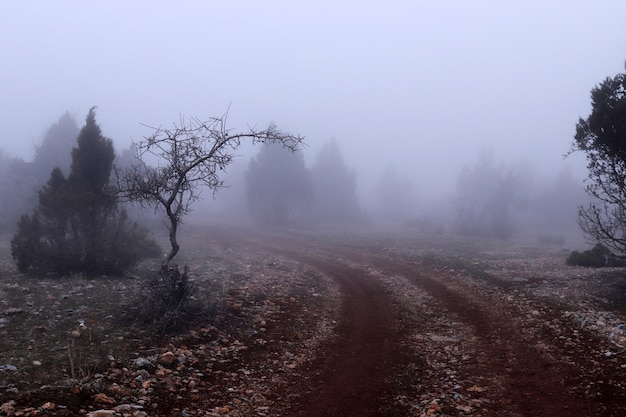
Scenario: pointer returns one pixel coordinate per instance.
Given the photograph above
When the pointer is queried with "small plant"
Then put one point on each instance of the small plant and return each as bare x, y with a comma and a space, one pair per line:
168, 294
175, 288
597, 257
82, 383
79, 369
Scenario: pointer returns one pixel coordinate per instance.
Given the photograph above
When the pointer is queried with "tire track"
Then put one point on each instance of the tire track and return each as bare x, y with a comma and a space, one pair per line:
354, 376
533, 384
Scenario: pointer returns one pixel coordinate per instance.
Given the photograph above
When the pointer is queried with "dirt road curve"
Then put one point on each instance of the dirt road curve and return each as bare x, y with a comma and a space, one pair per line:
417, 337
352, 376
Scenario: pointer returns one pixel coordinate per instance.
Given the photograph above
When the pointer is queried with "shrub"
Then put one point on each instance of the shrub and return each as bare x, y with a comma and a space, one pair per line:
597, 257
79, 227
37, 248
167, 297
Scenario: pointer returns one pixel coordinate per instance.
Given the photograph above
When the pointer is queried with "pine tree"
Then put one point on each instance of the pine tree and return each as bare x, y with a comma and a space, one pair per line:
278, 186
335, 187
55, 148
78, 226
602, 138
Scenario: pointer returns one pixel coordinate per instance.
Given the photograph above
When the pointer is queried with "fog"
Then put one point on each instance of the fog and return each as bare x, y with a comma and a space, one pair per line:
424, 89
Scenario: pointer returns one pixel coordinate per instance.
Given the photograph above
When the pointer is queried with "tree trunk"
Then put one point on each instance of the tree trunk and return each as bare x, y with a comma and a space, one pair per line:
173, 242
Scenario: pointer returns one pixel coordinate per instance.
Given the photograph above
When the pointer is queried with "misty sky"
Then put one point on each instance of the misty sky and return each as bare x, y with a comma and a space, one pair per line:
422, 85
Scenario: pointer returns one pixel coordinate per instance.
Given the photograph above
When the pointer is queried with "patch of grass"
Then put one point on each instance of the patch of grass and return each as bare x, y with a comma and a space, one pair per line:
58, 331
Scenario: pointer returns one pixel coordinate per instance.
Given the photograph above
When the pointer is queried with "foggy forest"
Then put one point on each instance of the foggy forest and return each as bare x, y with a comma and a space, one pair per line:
489, 197
313, 209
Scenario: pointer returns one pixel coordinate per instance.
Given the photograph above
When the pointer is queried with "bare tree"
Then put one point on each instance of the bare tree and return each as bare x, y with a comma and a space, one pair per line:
191, 154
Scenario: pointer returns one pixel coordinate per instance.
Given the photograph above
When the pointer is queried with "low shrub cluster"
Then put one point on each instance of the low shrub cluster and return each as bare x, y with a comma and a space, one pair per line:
167, 299
597, 257
79, 225
41, 248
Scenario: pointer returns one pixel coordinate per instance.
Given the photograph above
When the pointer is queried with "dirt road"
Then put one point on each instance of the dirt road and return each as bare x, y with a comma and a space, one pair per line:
419, 337
308, 324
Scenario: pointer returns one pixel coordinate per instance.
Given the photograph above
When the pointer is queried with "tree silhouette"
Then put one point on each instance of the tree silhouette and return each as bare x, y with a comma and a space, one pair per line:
17, 186
55, 148
20, 179
334, 185
77, 225
395, 195
278, 186
488, 196
190, 155
602, 137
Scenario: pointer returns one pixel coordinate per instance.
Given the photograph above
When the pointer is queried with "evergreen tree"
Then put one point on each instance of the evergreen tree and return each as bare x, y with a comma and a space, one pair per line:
17, 186
602, 138
335, 187
489, 197
279, 188
395, 196
55, 148
20, 179
78, 226
92, 162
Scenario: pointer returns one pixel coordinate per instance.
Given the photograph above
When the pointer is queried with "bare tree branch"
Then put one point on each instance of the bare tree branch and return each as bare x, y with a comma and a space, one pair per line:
189, 155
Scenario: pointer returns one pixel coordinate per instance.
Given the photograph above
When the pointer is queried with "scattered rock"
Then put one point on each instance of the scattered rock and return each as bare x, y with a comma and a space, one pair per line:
8, 408
101, 413
433, 408
127, 408
142, 363
476, 388
48, 406
167, 359
10, 368
102, 398
206, 363
223, 410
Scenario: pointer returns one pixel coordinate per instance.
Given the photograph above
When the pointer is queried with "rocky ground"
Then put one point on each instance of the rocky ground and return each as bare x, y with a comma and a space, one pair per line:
324, 324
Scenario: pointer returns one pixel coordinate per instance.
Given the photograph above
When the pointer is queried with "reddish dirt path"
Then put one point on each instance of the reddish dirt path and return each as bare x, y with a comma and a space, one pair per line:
353, 376
357, 374
533, 386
